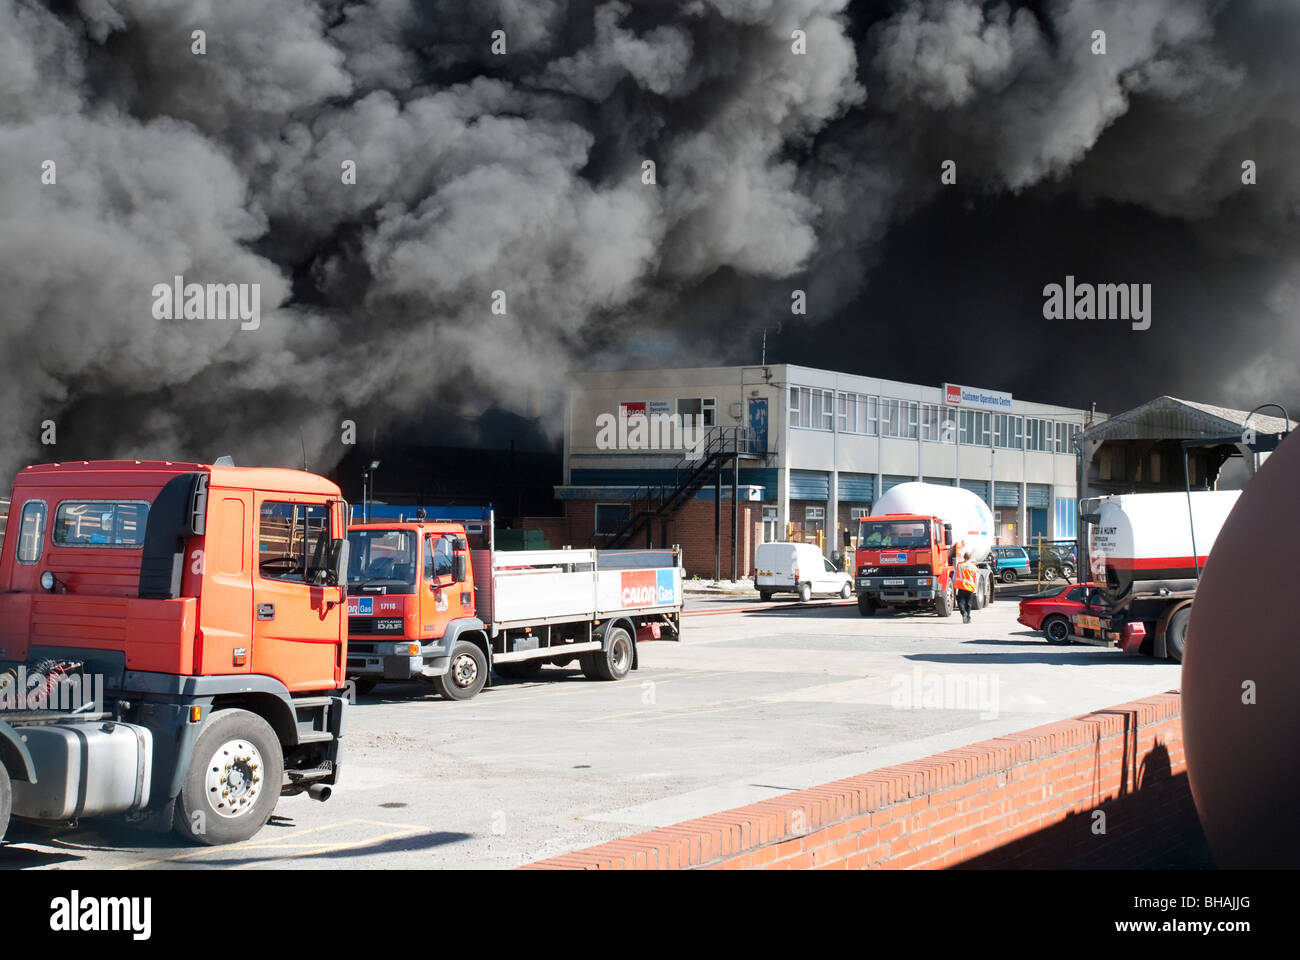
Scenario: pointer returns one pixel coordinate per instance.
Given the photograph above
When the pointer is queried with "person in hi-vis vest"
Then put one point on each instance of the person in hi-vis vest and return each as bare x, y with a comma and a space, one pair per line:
967, 579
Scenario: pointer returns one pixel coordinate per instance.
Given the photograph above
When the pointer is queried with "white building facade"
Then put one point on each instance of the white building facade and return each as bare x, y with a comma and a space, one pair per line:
834, 442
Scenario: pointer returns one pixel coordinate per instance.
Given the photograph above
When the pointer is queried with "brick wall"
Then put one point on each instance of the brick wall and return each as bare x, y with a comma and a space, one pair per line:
691, 526
1027, 799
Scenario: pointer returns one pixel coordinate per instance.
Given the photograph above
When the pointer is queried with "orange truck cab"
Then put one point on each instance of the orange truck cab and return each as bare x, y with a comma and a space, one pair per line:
172, 643
905, 560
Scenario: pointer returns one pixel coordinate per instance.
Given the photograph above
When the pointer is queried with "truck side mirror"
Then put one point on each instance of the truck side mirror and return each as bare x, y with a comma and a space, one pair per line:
338, 566
458, 571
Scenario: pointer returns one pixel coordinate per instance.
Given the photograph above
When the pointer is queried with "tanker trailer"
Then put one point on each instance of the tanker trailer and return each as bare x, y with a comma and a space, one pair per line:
908, 547
1140, 547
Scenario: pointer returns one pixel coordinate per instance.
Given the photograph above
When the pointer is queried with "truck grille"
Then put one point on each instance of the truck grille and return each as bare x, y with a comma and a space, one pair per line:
361, 625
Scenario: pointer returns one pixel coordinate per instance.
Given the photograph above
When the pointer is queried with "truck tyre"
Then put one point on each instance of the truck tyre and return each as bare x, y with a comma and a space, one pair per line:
866, 606
562, 662
980, 600
1176, 634
943, 604
614, 662
466, 675
846, 591
523, 670
765, 595
1008, 575
234, 779
1056, 629
805, 592
6, 800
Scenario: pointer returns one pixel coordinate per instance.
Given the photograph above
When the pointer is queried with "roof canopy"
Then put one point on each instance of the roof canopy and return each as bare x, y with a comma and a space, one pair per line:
1169, 418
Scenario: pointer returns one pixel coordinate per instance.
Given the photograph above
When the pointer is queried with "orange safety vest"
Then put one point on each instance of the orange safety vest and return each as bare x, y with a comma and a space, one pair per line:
966, 576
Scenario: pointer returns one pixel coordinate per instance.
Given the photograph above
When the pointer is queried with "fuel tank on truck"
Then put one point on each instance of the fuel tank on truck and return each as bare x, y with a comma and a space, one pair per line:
971, 519
1143, 541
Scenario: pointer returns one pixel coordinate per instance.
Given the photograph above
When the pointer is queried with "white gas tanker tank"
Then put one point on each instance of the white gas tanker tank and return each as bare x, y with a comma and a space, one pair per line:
971, 519
1143, 541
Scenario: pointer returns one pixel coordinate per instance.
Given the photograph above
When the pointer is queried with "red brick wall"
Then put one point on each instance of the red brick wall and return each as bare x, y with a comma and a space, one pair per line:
1023, 800
691, 527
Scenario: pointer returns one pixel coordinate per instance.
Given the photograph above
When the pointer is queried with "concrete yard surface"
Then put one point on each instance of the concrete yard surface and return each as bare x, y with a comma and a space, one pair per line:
749, 705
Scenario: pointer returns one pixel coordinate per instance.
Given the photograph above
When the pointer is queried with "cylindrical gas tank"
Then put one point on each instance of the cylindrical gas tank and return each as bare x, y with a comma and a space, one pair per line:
1143, 541
971, 519
1241, 677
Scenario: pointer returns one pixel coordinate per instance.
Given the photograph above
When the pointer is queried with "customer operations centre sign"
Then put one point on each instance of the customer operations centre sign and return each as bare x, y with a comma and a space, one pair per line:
976, 397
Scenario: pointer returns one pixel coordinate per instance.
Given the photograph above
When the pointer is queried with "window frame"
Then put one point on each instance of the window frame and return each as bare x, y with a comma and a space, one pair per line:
40, 540
308, 548
53, 527
595, 517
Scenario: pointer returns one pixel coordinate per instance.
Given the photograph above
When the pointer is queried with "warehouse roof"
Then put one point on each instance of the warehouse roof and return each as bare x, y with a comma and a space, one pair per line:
1169, 418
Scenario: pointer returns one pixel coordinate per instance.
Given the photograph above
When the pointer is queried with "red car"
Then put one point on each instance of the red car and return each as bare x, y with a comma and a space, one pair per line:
1050, 610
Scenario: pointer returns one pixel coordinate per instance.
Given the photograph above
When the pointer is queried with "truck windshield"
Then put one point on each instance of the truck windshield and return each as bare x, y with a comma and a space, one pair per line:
382, 558
908, 534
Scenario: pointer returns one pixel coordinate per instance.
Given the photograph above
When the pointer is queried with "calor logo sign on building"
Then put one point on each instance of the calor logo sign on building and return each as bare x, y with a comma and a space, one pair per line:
647, 588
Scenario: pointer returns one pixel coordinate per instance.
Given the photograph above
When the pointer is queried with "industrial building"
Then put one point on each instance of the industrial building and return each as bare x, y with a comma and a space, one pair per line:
800, 452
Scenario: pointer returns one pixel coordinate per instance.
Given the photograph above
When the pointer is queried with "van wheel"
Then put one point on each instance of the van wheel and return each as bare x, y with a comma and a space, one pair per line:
846, 591
6, 800
805, 592
866, 606
615, 661
765, 595
1008, 575
234, 780
466, 675
1056, 629
1176, 634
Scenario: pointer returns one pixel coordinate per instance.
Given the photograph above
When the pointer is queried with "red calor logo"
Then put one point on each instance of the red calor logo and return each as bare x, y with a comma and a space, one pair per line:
638, 588
953, 394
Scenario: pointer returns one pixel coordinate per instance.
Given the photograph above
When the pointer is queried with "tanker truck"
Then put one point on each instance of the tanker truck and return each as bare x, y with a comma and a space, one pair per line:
1140, 547
908, 548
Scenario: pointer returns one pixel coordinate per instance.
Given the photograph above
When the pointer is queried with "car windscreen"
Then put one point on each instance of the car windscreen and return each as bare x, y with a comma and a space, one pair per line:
907, 534
382, 558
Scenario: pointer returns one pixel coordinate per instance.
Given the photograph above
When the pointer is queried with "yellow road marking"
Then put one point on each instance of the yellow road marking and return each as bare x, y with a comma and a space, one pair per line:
270, 843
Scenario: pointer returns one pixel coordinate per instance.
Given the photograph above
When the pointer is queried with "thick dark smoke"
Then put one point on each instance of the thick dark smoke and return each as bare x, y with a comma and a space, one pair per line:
478, 172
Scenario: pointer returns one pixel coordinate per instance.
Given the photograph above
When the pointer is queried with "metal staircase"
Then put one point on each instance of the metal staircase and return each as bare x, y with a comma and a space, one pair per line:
720, 447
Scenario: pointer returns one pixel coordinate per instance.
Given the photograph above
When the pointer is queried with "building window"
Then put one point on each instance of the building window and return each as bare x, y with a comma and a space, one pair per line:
610, 518
699, 407
797, 405
975, 428
891, 417
812, 407
913, 419
827, 409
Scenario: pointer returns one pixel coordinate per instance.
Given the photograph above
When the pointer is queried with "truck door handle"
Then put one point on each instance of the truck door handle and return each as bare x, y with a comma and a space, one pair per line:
266, 611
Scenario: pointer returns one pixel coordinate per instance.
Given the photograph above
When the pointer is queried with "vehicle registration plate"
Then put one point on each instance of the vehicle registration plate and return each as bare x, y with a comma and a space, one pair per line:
1088, 623
893, 583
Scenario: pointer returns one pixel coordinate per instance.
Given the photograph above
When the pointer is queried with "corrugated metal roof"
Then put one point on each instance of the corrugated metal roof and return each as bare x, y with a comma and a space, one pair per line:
1169, 418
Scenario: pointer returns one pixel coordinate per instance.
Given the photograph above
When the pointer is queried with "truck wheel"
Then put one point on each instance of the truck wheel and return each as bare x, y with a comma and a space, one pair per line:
614, 662
805, 592
1176, 634
562, 662
1008, 575
943, 604
846, 591
466, 675
866, 606
979, 601
765, 595
1056, 629
6, 800
523, 670
234, 779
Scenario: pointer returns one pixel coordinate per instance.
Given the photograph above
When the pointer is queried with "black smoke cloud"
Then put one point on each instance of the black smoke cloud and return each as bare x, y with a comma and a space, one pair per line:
522, 173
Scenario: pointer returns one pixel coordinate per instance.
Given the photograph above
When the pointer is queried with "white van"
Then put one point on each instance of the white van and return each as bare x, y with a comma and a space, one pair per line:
798, 568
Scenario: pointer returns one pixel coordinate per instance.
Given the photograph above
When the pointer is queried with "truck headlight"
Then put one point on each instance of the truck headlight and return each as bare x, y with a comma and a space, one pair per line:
407, 649
923, 581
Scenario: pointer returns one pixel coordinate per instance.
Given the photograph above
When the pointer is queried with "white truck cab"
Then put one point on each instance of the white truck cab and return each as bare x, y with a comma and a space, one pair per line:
798, 568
